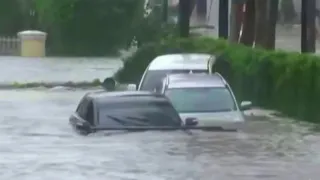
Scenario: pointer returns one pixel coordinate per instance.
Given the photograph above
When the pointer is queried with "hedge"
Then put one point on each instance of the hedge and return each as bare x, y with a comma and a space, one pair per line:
285, 81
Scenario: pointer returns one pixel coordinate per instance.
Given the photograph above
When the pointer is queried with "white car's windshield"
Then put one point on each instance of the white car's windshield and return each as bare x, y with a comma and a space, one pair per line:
196, 100
153, 78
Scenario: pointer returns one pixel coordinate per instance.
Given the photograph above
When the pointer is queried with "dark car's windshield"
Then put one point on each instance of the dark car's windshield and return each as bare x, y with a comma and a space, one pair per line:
193, 100
139, 114
153, 78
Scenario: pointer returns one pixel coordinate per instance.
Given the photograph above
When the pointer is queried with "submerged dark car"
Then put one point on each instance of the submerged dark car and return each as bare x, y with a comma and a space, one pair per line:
136, 110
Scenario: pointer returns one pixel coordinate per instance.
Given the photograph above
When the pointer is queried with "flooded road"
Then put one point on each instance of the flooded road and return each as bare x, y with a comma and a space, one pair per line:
55, 69
36, 142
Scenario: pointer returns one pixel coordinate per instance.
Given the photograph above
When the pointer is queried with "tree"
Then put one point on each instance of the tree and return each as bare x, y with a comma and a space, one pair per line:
236, 20
185, 9
152, 28
248, 31
308, 10
223, 19
271, 23
261, 19
84, 27
12, 20
287, 11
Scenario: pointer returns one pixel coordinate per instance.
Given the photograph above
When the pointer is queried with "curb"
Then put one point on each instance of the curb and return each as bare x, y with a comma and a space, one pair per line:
50, 85
15, 85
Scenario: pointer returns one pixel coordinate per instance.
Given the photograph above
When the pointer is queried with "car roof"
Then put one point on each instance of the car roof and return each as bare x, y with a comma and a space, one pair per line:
195, 80
125, 96
180, 61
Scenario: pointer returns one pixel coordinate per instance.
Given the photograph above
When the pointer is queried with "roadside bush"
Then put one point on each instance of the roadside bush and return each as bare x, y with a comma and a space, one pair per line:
283, 81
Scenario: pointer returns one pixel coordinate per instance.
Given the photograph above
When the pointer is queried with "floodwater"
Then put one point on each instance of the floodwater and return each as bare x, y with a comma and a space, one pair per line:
36, 142
55, 69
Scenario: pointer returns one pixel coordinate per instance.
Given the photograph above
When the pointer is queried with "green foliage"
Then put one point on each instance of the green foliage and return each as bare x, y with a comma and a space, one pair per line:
288, 82
84, 27
12, 17
153, 29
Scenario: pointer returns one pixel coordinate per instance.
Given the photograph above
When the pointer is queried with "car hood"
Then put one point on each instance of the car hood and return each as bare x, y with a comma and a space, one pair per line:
233, 119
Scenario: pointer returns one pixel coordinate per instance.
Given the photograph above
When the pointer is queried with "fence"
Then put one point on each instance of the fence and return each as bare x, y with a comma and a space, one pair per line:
9, 46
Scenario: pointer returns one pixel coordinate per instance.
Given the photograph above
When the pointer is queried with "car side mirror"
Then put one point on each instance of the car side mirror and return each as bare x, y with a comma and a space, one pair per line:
132, 87
245, 105
191, 121
109, 84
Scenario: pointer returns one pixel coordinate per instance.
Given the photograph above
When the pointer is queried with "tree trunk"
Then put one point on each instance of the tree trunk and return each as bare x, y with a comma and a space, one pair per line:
248, 30
288, 12
223, 19
185, 9
236, 21
308, 10
165, 5
261, 21
272, 22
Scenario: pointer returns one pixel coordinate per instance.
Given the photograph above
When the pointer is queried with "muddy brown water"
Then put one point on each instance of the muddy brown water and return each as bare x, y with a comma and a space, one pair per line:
36, 142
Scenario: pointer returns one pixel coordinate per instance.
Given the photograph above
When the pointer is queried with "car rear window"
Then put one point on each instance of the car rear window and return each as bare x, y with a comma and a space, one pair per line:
139, 113
153, 78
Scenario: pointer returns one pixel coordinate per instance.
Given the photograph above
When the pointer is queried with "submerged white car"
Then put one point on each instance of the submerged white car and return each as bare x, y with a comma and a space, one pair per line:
207, 98
172, 64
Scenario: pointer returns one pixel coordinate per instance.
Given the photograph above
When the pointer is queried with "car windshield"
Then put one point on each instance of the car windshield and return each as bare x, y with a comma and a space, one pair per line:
197, 100
139, 114
153, 78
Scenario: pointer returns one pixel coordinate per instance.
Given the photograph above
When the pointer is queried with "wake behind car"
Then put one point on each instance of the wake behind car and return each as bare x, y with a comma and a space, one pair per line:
172, 64
136, 110
207, 98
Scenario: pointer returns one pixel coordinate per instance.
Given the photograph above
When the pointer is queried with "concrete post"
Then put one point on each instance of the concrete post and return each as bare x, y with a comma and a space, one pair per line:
33, 43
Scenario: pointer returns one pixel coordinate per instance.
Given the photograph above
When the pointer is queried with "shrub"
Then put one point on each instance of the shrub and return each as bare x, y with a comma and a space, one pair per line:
283, 81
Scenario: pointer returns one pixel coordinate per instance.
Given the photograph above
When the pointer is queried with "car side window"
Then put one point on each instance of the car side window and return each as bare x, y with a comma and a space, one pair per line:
152, 79
83, 108
78, 110
163, 114
159, 87
90, 112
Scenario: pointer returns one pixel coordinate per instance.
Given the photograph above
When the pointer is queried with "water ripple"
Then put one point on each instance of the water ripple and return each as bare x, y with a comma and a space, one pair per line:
36, 142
